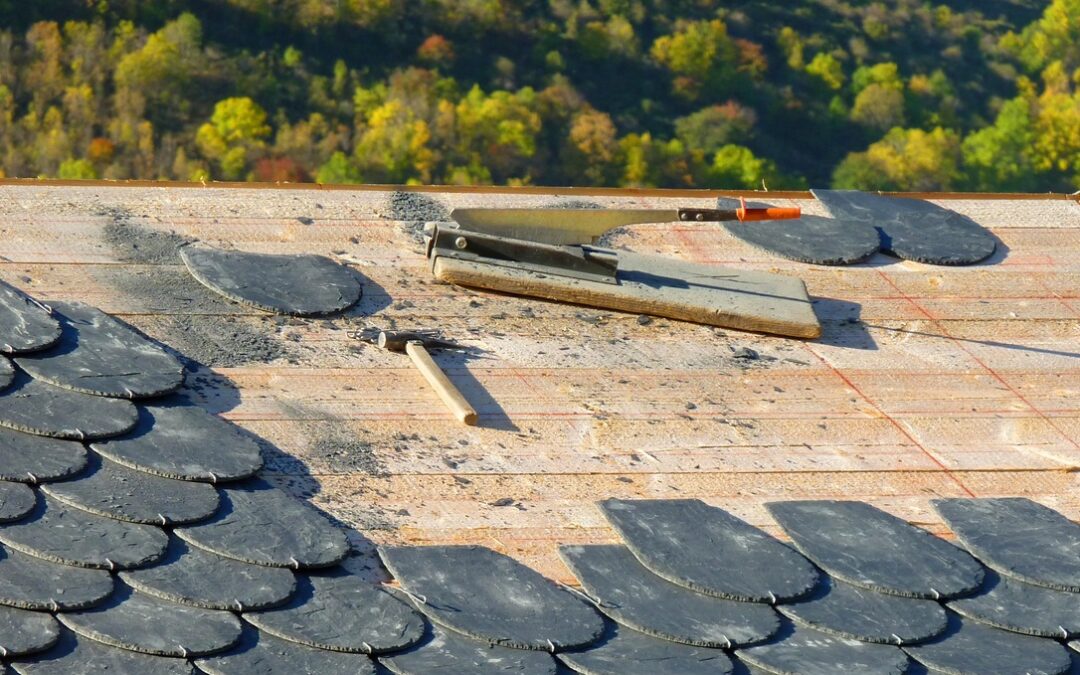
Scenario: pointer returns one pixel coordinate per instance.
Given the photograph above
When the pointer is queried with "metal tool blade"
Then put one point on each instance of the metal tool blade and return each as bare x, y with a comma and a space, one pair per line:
562, 227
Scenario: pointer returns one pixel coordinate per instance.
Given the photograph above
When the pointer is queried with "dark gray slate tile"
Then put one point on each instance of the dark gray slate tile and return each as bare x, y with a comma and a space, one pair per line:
143, 623
867, 547
7, 373
38, 408
487, 596
262, 654
448, 653
810, 239
192, 576
71, 536
304, 285
635, 597
806, 651
33, 583
970, 647
74, 655
184, 442
862, 614
115, 491
709, 550
260, 524
627, 652
37, 459
99, 355
1018, 538
25, 324
1023, 608
913, 229
16, 501
26, 632
341, 612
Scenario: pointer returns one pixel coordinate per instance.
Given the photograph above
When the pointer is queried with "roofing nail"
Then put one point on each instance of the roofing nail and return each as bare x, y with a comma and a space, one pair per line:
164, 520
727, 642
54, 606
772, 597
899, 640
367, 647
551, 646
239, 606
3, 652
33, 478
80, 434
130, 394
295, 562
415, 597
213, 477
1064, 633
183, 651
937, 596
8, 348
111, 564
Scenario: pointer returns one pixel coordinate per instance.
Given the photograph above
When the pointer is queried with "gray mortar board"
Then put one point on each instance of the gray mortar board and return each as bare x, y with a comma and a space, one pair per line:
1023, 608
971, 647
858, 613
868, 547
37, 408
260, 524
708, 550
25, 324
635, 597
260, 654
99, 355
192, 576
799, 650
16, 501
71, 536
36, 459
115, 491
26, 632
492, 597
7, 373
149, 625
913, 229
341, 612
1018, 538
185, 442
75, 655
809, 239
448, 653
32, 583
301, 285
627, 652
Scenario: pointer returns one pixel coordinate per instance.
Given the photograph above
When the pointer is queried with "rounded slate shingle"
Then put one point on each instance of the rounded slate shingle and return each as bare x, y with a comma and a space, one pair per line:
71, 536
708, 550
454, 654
35, 407
970, 647
260, 654
143, 623
26, 632
260, 524
849, 611
36, 459
627, 652
25, 324
864, 546
192, 576
99, 355
1019, 538
16, 501
1023, 608
635, 597
341, 612
806, 651
33, 583
487, 596
303, 285
115, 491
185, 442
75, 655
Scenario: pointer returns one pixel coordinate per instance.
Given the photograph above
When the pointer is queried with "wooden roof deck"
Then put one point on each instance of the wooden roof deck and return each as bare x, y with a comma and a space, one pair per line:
929, 381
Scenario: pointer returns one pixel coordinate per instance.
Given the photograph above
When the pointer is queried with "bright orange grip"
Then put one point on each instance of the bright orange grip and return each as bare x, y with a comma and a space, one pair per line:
749, 215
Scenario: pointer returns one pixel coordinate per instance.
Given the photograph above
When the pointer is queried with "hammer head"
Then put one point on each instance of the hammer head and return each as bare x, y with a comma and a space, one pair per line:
395, 340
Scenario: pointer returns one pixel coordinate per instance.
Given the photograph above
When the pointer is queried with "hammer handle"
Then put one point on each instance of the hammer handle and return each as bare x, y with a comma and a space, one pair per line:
440, 383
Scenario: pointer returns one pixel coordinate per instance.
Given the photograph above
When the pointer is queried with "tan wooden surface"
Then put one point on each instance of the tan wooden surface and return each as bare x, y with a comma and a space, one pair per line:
928, 381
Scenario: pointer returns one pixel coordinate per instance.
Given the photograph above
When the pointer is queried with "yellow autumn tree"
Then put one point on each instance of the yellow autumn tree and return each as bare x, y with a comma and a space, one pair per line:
235, 132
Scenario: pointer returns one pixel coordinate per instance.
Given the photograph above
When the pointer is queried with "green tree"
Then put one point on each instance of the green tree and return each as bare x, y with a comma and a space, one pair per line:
700, 54
998, 158
905, 159
736, 167
236, 131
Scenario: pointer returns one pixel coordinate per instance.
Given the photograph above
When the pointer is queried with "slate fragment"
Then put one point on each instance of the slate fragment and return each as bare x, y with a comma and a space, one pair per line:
37, 459
74, 655
865, 546
32, 583
184, 442
260, 654
635, 597
710, 551
810, 239
806, 651
970, 647
25, 632
25, 324
112, 490
16, 500
849, 611
99, 355
59, 533
487, 596
338, 611
34, 407
260, 524
192, 576
7, 373
1013, 605
449, 653
302, 285
628, 652
1019, 538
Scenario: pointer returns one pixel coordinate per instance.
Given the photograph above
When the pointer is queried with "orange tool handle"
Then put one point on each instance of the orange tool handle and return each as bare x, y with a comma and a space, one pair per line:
750, 215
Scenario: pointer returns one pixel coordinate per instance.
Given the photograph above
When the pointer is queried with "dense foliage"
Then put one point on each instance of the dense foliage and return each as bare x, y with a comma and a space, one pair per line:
894, 94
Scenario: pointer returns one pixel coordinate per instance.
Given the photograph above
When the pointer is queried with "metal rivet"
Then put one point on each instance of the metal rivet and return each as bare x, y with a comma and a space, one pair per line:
461, 243
701, 216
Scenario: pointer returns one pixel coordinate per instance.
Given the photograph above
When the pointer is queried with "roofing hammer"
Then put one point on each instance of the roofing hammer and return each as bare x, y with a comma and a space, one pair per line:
415, 344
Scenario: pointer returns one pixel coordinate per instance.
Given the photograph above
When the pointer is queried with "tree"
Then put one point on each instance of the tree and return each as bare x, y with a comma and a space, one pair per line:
700, 55
711, 128
1054, 37
999, 157
736, 167
826, 68
236, 130
394, 146
905, 159
162, 70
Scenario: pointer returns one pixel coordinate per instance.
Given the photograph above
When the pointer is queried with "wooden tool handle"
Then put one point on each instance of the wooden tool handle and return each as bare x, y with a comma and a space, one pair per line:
440, 382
